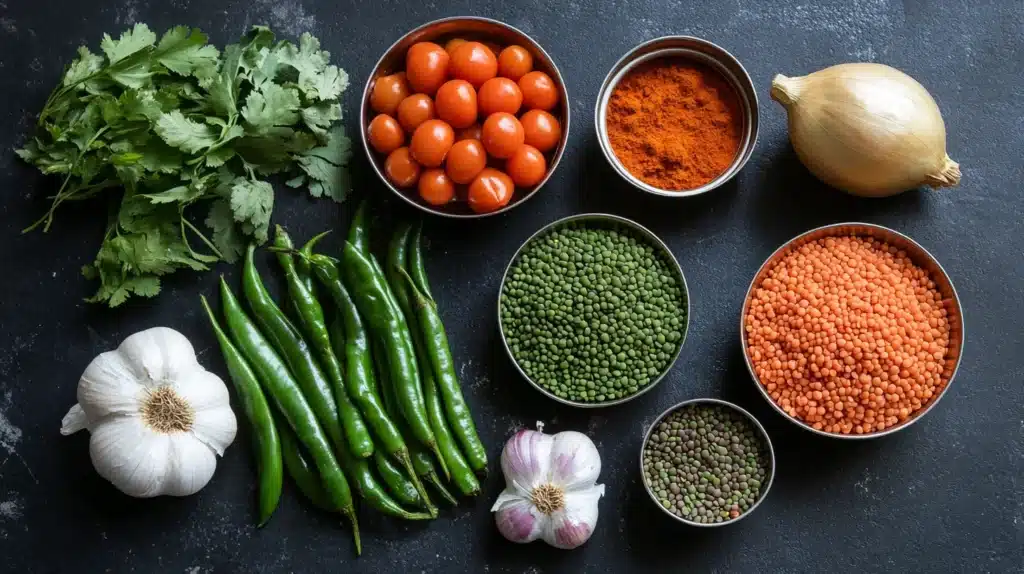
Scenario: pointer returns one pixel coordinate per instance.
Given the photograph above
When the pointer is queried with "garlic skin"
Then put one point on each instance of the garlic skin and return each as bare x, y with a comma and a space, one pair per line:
158, 419
550, 488
867, 129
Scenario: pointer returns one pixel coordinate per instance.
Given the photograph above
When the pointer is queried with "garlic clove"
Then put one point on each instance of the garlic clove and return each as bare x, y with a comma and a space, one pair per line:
133, 457
109, 386
526, 459
215, 427
159, 355
202, 390
517, 519
575, 462
190, 465
571, 526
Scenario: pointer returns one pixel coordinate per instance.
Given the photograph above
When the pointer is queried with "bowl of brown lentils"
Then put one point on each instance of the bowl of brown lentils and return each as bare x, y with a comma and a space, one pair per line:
707, 462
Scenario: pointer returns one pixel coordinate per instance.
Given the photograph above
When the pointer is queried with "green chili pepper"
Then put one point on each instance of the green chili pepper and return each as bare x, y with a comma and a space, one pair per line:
284, 391
399, 486
370, 491
370, 292
461, 473
257, 411
302, 472
439, 355
421, 460
311, 316
290, 344
359, 230
415, 266
350, 340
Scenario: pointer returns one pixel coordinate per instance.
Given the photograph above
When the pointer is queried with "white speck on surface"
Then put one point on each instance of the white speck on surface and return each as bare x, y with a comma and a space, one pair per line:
288, 16
127, 13
10, 509
54, 273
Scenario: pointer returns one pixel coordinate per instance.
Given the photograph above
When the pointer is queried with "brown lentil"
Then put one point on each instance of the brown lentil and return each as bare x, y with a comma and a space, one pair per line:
848, 335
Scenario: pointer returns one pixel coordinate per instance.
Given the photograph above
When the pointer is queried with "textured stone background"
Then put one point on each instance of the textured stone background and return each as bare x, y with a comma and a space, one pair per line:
944, 496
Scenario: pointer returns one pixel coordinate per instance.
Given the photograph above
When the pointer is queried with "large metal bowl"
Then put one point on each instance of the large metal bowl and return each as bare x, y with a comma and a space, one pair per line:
700, 51
764, 436
472, 28
920, 257
611, 221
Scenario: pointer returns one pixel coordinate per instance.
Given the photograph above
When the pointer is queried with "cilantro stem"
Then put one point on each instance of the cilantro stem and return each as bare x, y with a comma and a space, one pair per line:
195, 230
61, 196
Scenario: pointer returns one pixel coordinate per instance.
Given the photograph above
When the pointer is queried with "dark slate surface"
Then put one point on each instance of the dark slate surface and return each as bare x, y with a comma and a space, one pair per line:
944, 496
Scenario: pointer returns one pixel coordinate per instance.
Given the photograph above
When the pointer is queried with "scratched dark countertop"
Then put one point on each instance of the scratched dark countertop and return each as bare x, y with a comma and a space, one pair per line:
947, 495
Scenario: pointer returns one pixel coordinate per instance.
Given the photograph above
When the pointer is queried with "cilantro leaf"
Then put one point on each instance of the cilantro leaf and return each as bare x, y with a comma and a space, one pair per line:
183, 133
184, 51
272, 106
226, 236
327, 85
130, 42
251, 202
86, 66
319, 117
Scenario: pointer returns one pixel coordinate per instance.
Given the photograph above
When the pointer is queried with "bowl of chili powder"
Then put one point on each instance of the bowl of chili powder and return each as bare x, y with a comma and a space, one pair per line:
677, 116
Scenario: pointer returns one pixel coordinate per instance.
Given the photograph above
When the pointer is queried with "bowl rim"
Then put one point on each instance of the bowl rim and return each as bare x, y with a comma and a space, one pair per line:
364, 105
657, 243
854, 228
757, 424
743, 85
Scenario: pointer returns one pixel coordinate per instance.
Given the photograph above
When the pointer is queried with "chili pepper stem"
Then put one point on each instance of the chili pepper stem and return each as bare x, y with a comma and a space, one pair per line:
351, 516
435, 481
406, 462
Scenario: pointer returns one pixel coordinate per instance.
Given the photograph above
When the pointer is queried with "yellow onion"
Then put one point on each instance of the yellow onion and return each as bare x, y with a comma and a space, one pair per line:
867, 129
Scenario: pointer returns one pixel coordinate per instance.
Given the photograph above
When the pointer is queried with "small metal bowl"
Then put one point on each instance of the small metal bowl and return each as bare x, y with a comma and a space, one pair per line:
920, 257
472, 28
607, 220
702, 52
764, 436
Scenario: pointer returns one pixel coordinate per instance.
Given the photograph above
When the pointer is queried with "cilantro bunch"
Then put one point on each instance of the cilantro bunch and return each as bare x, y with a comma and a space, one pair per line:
176, 126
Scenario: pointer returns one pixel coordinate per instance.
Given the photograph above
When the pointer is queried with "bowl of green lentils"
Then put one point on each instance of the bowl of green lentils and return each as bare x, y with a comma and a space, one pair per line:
593, 310
707, 462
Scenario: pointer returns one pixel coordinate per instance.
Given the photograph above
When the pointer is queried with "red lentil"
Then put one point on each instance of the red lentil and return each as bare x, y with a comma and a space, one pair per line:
847, 335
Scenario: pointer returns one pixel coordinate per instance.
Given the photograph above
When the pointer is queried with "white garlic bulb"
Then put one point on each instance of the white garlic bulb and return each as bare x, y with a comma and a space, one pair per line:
550, 491
158, 419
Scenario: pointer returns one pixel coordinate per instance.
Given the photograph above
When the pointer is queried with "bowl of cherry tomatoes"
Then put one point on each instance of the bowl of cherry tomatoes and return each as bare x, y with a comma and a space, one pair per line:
465, 117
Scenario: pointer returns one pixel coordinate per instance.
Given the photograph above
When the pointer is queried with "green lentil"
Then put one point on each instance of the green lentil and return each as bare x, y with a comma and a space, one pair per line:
687, 465
593, 312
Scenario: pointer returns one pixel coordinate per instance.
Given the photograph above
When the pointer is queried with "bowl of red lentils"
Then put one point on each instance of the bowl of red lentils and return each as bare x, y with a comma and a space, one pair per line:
852, 330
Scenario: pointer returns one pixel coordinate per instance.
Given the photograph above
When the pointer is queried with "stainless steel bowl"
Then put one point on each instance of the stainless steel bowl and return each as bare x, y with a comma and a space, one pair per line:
700, 51
609, 220
764, 436
920, 256
472, 28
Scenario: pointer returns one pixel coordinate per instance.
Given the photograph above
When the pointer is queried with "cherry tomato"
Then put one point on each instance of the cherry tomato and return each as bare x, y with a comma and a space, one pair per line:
514, 62
415, 110
539, 91
401, 169
465, 160
385, 134
388, 92
502, 135
426, 66
435, 187
431, 142
499, 95
542, 129
452, 44
473, 132
490, 191
456, 103
474, 63
527, 166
